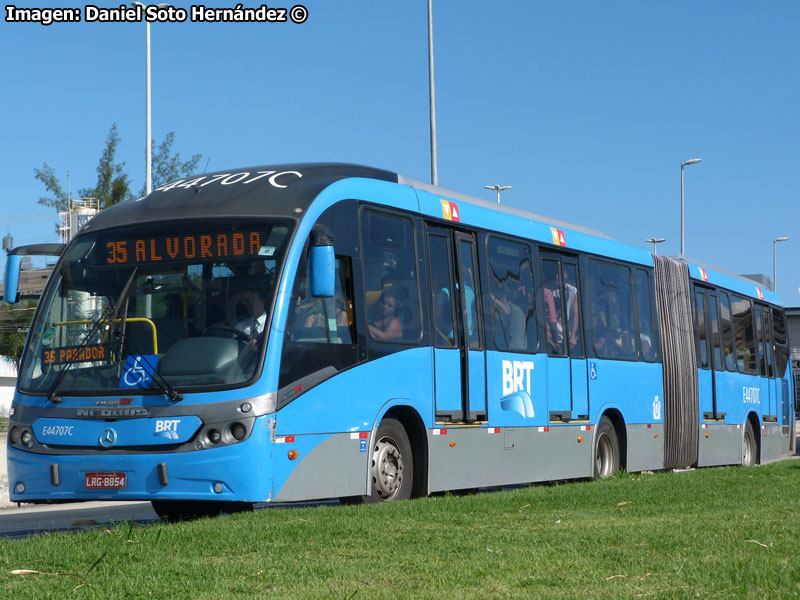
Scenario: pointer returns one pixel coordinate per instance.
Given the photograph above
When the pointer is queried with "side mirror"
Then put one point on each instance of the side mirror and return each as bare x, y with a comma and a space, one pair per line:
323, 272
10, 292
12, 278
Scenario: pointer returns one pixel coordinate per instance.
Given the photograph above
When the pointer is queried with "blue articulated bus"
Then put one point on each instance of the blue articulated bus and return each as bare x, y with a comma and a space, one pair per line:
312, 331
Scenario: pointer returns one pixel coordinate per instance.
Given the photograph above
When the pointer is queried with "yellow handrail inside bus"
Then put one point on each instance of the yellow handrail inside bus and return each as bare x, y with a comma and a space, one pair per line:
128, 320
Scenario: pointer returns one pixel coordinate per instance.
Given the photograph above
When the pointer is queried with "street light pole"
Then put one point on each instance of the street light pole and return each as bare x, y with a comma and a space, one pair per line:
775, 261
498, 189
432, 97
148, 148
655, 241
148, 187
691, 161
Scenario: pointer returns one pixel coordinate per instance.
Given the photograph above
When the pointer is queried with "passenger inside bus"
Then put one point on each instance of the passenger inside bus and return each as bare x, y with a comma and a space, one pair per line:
386, 324
509, 319
552, 318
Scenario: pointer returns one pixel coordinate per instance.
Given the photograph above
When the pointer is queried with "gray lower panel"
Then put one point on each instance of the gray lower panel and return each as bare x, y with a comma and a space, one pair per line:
325, 473
720, 444
513, 455
645, 447
774, 443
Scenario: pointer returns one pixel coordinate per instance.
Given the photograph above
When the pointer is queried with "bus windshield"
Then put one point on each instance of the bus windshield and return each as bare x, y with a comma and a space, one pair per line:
155, 307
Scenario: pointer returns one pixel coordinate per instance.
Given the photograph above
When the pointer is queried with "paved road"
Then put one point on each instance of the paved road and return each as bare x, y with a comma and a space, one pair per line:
35, 518
20, 521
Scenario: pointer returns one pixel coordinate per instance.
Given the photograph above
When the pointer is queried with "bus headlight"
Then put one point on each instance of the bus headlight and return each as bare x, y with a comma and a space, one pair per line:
238, 431
27, 438
13, 435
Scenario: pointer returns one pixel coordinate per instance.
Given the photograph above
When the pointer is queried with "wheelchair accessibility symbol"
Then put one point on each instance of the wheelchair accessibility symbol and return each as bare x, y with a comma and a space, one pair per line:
138, 370
592, 370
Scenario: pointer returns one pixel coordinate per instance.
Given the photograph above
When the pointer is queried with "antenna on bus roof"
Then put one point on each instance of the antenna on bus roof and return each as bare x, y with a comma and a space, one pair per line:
206, 167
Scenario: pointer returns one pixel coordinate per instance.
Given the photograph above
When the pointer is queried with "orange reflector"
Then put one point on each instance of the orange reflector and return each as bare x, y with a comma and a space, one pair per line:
452, 444
655, 435
580, 439
293, 454
708, 435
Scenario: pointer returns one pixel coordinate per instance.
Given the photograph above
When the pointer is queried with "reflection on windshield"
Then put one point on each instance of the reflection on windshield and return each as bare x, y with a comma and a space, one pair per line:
194, 313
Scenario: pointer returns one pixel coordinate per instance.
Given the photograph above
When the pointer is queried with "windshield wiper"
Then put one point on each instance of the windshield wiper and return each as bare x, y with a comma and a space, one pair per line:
108, 315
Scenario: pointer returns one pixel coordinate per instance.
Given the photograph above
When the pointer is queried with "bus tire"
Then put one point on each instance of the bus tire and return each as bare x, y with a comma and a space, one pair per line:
391, 463
606, 449
749, 446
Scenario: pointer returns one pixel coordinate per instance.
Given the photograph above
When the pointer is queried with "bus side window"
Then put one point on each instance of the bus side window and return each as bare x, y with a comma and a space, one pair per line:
511, 296
759, 338
715, 335
319, 331
743, 335
611, 301
769, 343
727, 332
553, 313
645, 314
390, 273
441, 284
700, 330
781, 342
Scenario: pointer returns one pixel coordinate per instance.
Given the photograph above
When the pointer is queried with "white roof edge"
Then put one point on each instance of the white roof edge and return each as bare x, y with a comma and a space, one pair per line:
439, 191
706, 265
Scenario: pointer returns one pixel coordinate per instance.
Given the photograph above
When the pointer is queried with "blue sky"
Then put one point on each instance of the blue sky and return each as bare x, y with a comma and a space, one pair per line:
586, 108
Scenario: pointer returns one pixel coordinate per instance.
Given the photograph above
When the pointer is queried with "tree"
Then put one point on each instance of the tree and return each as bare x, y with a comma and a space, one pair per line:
14, 323
168, 166
113, 183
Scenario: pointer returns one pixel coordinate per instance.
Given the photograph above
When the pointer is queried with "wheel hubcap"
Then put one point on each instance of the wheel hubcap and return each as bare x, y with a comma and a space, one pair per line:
604, 456
747, 455
387, 469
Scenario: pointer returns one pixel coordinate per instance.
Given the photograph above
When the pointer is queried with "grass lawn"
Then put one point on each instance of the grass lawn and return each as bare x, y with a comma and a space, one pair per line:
714, 533
3, 425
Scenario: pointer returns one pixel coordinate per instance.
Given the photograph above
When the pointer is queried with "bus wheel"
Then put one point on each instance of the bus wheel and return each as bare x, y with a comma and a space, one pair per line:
392, 466
606, 449
188, 510
749, 447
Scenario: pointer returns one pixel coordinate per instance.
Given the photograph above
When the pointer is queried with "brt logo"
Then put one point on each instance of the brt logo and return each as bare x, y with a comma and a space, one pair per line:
517, 376
167, 425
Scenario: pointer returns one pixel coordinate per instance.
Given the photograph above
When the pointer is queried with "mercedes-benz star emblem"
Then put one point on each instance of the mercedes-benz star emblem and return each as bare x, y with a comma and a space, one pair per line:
108, 438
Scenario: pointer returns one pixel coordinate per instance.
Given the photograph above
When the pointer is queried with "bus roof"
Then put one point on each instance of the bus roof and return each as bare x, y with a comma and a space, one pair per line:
289, 189
268, 190
420, 185
272, 190
706, 273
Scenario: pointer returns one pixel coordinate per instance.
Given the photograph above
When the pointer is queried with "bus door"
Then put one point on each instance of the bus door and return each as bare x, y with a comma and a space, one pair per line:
714, 336
705, 374
567, 379
459, 356
769, 399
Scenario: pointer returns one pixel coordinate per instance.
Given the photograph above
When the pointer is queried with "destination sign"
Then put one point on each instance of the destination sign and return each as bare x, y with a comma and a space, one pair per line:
167, 247
74, 354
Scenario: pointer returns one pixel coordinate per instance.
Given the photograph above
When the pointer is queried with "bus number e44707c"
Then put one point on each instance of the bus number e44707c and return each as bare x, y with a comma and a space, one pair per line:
101, 480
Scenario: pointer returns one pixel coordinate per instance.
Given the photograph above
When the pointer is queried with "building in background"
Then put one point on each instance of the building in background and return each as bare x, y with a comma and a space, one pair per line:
70, 221
8, 381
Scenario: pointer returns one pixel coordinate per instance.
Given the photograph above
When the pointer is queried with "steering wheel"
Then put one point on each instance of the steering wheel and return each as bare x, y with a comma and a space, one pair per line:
230, 332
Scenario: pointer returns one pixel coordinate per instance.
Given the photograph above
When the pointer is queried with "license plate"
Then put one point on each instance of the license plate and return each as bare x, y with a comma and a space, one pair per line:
102, 480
